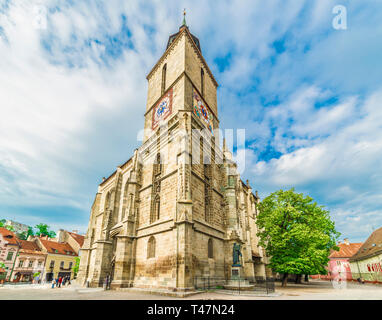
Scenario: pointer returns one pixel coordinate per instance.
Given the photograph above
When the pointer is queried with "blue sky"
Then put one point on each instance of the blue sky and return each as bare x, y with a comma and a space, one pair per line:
73, 94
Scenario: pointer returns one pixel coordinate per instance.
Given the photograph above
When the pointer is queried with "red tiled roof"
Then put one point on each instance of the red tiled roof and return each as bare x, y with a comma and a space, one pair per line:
58, 247
29, 247
80, 239
9, 236
372, 246
346, 250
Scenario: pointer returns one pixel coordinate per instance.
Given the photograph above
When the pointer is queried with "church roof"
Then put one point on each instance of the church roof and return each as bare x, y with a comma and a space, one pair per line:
173, 37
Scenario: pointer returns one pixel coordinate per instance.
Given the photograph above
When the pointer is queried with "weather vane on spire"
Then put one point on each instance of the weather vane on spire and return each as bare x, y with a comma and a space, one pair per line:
184, 17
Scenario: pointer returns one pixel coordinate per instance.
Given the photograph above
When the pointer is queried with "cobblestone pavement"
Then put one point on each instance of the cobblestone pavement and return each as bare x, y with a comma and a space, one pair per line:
314, 290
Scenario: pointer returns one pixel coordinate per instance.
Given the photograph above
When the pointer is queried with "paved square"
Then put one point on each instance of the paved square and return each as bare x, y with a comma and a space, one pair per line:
314, 290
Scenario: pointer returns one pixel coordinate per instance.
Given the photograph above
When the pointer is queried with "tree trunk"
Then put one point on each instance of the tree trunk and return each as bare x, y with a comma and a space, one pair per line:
298, 278
307, 278
285, 280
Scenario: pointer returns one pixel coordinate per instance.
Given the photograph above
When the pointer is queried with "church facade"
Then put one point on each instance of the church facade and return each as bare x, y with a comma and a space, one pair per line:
178, 207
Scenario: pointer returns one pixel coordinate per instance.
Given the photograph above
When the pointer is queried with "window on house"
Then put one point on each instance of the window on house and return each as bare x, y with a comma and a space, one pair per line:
151, 248
10, 256
210, 249
52, 264
40, 263
62, 264
164, 70
21, 263
30, 265
70, 265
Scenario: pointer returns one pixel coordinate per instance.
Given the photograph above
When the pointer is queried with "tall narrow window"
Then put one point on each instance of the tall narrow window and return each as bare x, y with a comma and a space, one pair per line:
202, 81
157, 207
155, 212
207, 201
164, 69
157, 165
151, 248
210, 249
201, 151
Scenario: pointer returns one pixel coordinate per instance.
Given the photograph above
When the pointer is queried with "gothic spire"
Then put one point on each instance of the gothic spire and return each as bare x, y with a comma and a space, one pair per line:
184, 18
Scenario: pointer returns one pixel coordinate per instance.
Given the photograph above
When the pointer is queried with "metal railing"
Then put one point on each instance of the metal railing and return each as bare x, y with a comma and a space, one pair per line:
239, 285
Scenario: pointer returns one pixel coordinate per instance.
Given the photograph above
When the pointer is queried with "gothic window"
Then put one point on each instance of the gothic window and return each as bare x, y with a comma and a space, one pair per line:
155, 213
157, 207
201, 150
207, 168
124, 206
206, 202
210, 249
107, 201
151, 248
157, 165
202, 81
164, 70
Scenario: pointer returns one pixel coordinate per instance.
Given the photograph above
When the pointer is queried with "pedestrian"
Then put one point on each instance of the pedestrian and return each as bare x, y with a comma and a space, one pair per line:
63, 281
53, 282
59, 282
69, 281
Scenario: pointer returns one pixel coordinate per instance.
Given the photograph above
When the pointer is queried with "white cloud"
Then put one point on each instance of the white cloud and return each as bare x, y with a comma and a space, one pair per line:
70, 109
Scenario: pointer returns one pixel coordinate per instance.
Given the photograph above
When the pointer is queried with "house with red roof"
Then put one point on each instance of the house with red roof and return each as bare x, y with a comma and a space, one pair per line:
30, 261
338, 265
9, 248
366, 263
60, 258
74, 239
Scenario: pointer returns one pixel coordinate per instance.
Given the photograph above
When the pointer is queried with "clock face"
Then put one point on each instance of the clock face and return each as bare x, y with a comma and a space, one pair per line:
202, 111
162, 110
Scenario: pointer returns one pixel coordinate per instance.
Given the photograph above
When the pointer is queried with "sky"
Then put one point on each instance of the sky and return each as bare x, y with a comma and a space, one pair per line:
308, 94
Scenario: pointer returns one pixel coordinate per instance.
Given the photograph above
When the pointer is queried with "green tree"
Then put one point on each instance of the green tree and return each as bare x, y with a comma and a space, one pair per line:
76, 266
2, 222
296, 233
25, 234
22, 235
43, 230
10, 228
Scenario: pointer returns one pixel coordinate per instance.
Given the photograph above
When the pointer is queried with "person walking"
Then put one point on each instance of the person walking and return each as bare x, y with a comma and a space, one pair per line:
53, 282
59, 282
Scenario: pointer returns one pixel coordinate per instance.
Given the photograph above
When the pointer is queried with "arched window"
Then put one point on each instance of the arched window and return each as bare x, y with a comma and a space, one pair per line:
107, 201
202, 81
210, 249
155, 213
207, 202
157, 207
158, 165
164, 70
151, 248
201, 151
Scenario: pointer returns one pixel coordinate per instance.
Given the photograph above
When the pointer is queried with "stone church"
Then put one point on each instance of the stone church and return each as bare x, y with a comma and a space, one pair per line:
176, 209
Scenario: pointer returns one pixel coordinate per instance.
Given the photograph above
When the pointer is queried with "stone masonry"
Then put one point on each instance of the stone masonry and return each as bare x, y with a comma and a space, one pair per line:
174, 210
